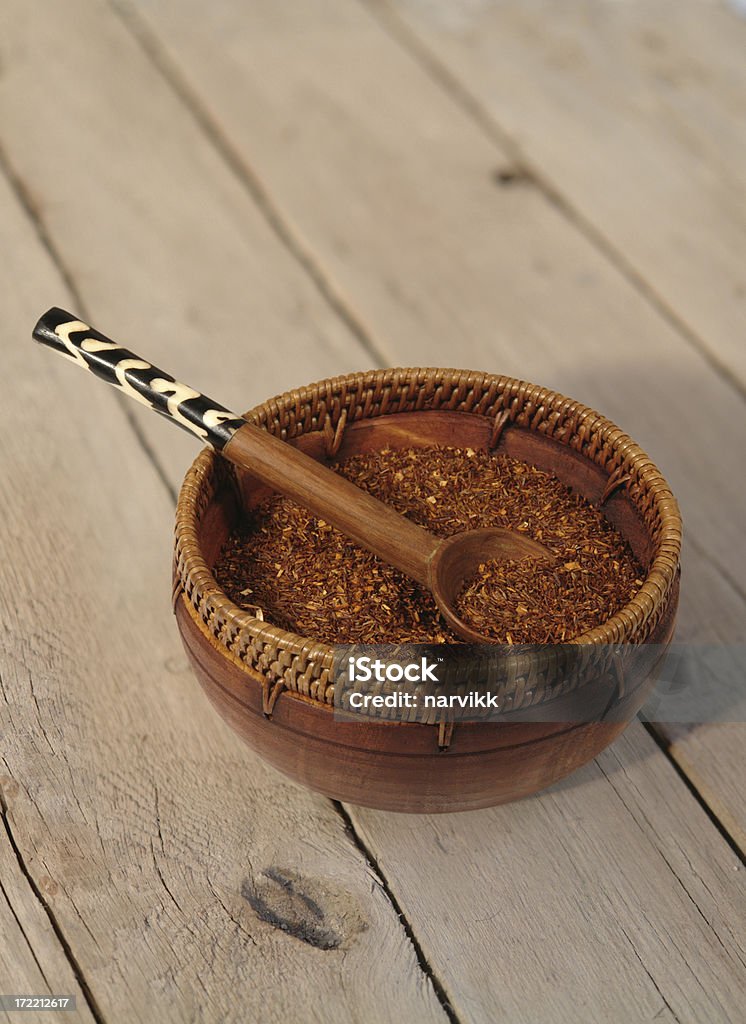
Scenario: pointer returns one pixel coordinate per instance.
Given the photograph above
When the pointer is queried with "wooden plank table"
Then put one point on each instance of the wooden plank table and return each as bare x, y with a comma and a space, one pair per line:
258, 195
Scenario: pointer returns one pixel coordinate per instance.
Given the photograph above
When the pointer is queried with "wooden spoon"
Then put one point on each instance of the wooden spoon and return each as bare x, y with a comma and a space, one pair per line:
440, 565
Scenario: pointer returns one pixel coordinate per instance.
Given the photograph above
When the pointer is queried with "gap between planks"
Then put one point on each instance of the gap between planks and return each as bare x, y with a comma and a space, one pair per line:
250, 180
526, 170
422, 960
28, 206
666, 748
58, 932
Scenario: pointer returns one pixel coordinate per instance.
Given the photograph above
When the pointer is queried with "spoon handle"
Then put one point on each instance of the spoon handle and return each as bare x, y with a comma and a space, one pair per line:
328, 495
77, 341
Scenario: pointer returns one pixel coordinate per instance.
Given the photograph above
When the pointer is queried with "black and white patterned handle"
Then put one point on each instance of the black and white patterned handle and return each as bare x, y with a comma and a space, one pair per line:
87, 347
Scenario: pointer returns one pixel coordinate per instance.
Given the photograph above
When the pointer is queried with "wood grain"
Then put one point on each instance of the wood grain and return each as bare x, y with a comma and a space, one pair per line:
32, 958
181, 856
155, 230
394, 186
634, 116
577, 905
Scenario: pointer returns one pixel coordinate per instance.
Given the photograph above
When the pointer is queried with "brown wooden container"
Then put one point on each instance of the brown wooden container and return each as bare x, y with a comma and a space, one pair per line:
274, 687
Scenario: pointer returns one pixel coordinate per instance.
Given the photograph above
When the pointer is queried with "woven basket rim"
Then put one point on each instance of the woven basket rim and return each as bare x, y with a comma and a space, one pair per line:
302, 664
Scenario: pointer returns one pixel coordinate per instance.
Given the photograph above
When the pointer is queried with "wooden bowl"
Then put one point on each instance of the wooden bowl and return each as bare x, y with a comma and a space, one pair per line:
275, 687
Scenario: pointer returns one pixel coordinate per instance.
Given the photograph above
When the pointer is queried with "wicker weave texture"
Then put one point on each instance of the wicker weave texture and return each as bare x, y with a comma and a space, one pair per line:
288, 661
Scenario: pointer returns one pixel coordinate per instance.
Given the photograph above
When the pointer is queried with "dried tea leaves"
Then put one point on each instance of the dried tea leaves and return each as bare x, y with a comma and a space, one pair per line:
305, 576
536, 601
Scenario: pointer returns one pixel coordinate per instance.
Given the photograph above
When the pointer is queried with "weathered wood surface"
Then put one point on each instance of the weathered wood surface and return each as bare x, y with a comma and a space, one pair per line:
379, 169
633, 113
164, 848
158, 237
32, 960
557, 907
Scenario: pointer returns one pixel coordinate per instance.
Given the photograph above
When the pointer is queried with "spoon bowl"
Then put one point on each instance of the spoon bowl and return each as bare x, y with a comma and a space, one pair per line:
457, 559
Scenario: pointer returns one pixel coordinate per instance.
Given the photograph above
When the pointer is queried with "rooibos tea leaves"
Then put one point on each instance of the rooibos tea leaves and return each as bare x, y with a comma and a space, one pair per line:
305, 576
